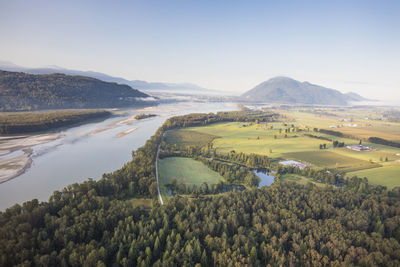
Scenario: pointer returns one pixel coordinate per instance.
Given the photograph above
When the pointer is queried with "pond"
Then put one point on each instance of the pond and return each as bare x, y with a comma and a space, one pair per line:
266, 177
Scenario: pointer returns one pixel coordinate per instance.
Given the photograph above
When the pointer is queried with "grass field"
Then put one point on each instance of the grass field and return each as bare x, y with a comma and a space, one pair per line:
387, 175
186, 170
365, 126
269, 139
186, 137
328, 159
300, 179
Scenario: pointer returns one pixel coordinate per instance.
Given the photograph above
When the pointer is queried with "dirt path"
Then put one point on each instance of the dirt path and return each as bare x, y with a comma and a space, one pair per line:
158, 183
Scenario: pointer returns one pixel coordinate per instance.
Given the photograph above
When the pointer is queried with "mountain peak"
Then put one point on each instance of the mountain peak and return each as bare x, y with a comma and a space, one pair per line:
283, 89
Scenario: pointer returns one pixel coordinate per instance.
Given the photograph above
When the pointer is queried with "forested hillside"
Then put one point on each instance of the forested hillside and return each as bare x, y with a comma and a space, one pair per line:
24, 92
29, 122
97, 224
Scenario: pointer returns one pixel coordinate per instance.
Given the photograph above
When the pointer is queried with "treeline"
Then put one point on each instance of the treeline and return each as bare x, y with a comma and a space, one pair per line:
28, 122
179, 187
26, 92
318, 137
233, 173
196, 119
331, 132
144, 116
381, 141
333, 177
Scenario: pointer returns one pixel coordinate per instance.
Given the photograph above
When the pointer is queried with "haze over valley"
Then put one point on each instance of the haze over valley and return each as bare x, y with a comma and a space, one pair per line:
199, 133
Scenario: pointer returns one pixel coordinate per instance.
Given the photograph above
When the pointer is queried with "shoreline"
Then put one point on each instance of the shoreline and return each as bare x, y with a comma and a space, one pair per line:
12, 167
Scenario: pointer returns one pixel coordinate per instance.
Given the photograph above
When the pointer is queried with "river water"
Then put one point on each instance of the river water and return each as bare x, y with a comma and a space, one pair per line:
80, 154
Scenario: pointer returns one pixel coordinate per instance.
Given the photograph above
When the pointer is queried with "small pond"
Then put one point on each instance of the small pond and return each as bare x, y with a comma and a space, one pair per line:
266, 177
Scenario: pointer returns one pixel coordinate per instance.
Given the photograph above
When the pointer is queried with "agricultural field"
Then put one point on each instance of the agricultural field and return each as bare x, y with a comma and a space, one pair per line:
269, 139
184, 137
329, 159
185, 170
360, 123
301, 180
387, 175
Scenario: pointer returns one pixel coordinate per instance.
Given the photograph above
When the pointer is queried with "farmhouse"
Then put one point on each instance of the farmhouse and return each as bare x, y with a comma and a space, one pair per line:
359, 148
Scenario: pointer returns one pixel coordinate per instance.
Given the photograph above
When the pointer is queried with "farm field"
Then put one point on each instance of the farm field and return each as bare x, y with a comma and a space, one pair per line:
328, 159
185, 137
186, 170
261, 139
387, 175
258, 138
365, 127
300, 179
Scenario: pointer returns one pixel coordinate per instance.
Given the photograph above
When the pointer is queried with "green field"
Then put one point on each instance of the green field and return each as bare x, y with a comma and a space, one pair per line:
261, 139
300, 179
387, 175
328, 159
366, 127
186, 137
186, 170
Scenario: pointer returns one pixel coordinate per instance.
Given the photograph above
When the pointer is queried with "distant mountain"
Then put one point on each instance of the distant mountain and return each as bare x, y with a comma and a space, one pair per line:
22, 91
355, 97
137, 84
290, 91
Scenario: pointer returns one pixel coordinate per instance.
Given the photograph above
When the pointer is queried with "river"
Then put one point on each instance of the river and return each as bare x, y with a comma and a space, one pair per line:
89, 150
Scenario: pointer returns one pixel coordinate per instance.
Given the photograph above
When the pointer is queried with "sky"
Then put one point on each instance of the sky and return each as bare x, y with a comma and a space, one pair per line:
223, 45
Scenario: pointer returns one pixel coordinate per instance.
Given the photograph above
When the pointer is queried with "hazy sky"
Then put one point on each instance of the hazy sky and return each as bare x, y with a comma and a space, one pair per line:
224, 45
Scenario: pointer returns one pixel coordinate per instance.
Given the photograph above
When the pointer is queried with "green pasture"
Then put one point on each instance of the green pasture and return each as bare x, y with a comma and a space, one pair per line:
185, 137
329, 159
364, 130
300, 179
261, 139
186, 170
387, 175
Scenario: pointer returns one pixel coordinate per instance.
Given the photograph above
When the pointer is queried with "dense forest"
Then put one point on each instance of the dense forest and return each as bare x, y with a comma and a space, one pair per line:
286, 224
25, 92
28, 122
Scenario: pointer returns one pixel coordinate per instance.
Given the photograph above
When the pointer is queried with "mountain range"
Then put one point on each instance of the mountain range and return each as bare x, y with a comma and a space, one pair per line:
137, 84
23, 92
289, 91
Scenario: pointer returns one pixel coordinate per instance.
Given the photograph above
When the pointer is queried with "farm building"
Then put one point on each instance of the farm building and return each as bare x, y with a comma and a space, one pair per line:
360, 148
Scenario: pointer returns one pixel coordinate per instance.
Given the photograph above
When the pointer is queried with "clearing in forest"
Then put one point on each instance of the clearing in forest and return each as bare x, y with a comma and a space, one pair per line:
185, 170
